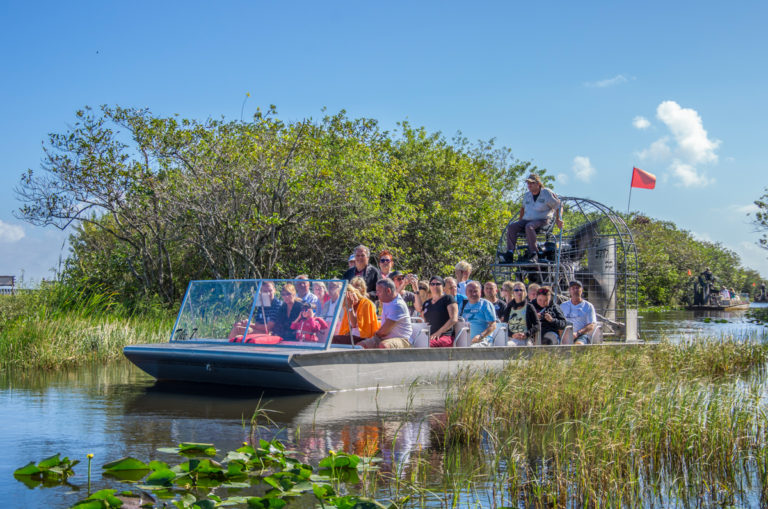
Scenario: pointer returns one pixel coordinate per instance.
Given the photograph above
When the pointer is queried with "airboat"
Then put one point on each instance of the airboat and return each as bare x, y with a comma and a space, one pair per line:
595, 247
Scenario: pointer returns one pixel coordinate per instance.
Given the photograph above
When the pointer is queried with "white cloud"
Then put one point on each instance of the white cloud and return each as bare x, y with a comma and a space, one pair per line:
704, 237
688, 176
616, 80
10, 232
745, 209
687, 128
641, 122
754, 257
562, 178
687, 146
658, 150
582, 168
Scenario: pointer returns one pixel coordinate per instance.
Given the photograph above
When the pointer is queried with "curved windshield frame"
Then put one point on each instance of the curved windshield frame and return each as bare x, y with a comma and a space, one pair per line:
221, 311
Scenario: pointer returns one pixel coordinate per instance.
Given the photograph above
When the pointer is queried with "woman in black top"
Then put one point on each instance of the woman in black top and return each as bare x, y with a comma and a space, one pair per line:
520, 317
288, 312
441, 313
552, 318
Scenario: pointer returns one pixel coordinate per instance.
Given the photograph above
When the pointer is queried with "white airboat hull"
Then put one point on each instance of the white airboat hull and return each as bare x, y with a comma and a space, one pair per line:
323, 370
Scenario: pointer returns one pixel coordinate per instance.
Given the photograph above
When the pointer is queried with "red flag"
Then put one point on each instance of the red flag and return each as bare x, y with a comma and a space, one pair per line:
643, 179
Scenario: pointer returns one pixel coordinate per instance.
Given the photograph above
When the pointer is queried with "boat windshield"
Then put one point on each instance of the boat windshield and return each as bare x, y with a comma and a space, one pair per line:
295, 313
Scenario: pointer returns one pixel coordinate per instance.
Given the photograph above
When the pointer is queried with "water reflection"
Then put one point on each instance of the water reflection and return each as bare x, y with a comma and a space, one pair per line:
679, 324
116, 410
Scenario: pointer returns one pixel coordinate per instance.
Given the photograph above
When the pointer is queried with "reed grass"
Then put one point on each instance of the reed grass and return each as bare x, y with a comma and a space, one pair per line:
58, 327
674, 424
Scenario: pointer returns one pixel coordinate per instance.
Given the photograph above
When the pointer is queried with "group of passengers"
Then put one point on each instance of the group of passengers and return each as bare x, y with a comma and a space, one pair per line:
304, 315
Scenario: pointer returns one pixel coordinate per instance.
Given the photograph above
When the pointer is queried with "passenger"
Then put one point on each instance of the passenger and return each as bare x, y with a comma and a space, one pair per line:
734, 295
491, 294
580, 313
386, 263
307, 325
401, 281
302, 291
480, 316
441, 313
330, 302
463, 270
321, 292
359, 320
396, 329
423, 295
506, 292
725, 294
452, 289
551, 317
262, 314
365, 270
520, 317
539, 205
287, 313
351, 261
359, 283
533, 291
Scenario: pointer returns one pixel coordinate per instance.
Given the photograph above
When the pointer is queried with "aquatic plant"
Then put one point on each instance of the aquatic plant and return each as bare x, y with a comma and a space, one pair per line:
620, 426
265, 468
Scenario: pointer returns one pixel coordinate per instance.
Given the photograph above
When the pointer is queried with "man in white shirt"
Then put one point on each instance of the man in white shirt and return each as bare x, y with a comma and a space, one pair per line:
539, 205
580, 313
396, 329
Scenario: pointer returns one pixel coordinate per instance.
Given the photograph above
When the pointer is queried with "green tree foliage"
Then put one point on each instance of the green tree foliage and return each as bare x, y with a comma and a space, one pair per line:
158, 201
760, 219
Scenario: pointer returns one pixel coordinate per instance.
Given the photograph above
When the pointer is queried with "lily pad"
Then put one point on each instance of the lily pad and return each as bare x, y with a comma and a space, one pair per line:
126, 463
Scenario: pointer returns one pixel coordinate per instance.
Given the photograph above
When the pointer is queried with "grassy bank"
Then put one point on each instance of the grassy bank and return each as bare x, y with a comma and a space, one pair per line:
58, 327
682, 424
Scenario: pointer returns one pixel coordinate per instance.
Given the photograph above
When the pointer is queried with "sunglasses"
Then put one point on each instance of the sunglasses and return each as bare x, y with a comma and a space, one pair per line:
386, 260
542, 292
400, 278
518, 290
435, 284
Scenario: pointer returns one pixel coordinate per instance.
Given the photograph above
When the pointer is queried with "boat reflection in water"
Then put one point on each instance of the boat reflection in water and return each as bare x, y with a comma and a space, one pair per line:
393, 422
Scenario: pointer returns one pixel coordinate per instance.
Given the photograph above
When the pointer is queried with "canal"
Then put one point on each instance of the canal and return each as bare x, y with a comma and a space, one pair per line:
116, 410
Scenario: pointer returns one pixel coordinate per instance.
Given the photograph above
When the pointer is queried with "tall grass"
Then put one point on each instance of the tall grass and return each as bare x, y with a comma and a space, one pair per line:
666, 425
58, 326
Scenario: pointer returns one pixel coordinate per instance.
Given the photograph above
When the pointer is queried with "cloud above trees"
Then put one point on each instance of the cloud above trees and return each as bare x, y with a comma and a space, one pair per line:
582, 168
685, 148
10, 233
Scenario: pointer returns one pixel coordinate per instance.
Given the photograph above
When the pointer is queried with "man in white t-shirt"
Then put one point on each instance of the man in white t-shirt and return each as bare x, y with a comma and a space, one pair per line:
539, 205
580, 313
396, 329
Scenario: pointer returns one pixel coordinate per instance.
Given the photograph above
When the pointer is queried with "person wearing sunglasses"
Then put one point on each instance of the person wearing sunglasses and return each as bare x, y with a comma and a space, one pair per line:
365, 270
521, 319
386, 263
441, 312
551, 317
539, 206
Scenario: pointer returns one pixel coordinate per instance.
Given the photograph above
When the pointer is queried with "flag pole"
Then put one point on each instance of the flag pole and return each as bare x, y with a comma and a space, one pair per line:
630, 190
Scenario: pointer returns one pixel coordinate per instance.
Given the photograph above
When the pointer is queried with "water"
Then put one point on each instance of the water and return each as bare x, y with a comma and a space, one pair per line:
118, 411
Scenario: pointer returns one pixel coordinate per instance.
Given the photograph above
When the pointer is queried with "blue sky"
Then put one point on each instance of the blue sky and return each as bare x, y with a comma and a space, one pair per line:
584, 89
